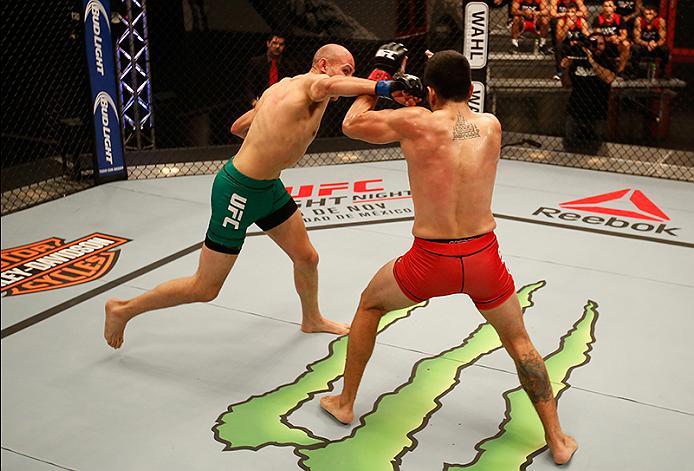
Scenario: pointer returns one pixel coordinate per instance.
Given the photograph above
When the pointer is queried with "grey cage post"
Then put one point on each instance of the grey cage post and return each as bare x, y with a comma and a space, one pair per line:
476, 49
132, 53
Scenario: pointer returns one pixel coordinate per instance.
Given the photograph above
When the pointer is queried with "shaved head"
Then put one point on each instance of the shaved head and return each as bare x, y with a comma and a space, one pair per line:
333, 56
332, 52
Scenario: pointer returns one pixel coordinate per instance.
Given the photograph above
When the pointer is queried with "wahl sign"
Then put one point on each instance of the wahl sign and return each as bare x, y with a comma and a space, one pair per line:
625, 209
53, 263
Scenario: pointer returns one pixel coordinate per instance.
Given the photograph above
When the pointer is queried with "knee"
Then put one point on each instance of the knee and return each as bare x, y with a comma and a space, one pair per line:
368, 303
205, 293
307, 259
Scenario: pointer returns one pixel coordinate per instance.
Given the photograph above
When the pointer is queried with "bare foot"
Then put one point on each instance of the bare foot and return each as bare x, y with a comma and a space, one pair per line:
331, 405
114, 325
324, 325
563, 450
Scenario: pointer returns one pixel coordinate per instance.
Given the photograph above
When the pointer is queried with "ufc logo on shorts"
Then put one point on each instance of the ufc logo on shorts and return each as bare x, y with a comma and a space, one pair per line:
236, 206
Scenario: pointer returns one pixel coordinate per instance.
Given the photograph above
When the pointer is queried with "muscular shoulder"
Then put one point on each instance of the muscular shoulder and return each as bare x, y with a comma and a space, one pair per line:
412, 119
413, 112
315, 90
299, 84
490, 121
312, 78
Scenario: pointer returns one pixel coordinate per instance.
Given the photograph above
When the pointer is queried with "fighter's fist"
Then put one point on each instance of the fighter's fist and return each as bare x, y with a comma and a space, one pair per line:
388, 61
409, 84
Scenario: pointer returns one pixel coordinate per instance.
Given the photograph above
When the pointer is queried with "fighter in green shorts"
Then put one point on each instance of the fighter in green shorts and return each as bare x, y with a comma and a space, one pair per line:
239, 201
276, 133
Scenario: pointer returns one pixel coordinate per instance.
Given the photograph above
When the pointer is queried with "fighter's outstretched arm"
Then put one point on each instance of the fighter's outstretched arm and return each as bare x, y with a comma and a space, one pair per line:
383, 126
336, 86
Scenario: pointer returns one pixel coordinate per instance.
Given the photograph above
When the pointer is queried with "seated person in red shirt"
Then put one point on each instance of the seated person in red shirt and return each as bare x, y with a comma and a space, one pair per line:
650, 33
558, 11
629, 10
610, 25
571, 24
530, 16
571, 31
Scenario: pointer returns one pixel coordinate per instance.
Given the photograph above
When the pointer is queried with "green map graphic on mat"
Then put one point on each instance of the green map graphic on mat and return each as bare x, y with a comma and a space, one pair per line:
385, 435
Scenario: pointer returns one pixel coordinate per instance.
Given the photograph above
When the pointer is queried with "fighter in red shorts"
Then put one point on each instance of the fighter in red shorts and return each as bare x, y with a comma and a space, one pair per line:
470, 265
452, 155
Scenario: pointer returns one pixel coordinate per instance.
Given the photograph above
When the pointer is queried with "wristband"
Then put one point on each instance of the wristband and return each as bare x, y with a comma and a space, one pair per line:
378, 74
383, 88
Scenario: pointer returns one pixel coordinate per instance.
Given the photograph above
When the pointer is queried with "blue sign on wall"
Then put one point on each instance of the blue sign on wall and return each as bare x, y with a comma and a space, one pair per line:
109, 146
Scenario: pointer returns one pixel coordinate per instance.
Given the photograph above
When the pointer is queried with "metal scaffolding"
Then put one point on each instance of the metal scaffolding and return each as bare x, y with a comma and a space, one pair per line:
134, 77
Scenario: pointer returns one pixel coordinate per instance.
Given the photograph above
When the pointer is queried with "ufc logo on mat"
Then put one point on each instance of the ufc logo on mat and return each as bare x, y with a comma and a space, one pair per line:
236, 206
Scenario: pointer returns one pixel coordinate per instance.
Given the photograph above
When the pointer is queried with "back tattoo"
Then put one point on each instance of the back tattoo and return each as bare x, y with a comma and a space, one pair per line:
465, 129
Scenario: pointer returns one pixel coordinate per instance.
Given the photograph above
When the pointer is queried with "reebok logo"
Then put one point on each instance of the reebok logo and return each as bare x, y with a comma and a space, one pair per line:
236, 206
626, 203
643, 207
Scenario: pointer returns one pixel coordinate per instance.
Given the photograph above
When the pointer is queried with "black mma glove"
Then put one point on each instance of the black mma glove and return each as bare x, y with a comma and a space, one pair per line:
401, 83
388, 61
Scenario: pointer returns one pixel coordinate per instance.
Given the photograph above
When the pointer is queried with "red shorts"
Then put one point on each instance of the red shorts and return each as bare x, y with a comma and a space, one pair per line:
472, 266
530, 26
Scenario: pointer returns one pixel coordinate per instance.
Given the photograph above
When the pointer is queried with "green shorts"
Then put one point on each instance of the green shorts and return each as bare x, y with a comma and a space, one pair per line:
239, 201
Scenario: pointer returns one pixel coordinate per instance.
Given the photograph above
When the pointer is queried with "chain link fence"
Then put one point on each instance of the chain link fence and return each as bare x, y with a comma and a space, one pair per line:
624, 109
211, 59
196, 65
47, 133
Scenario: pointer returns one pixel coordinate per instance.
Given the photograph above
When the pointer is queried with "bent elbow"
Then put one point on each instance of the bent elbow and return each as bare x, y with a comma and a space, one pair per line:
238, 130
351, 129
347, 128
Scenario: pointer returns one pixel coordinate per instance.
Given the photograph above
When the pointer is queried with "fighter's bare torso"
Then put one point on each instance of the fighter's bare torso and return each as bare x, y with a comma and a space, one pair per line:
285, 123
452, 158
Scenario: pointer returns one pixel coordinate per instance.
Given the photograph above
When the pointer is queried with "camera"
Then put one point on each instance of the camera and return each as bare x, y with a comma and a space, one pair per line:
577, 43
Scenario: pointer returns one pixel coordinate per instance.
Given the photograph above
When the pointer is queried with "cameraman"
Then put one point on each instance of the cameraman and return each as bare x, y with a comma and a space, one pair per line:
589, 75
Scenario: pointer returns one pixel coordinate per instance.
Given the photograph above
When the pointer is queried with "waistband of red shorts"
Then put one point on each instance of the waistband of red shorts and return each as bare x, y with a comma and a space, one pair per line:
456, 247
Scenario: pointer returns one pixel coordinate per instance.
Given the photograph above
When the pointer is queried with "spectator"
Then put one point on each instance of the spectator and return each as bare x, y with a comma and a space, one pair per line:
267, 69
572, 29
571, 25
610, 25
558, 10
590, 79
650, 33
530, 16
629, 10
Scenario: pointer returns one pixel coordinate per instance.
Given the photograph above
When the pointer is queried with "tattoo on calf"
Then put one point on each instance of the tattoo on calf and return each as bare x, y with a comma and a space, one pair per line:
533, 377
465, 129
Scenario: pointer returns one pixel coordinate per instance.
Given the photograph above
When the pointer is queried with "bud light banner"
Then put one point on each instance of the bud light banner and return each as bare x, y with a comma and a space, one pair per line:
109, 147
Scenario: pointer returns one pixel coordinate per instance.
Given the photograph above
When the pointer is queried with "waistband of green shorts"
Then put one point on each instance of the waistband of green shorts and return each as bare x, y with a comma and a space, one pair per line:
249, 182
